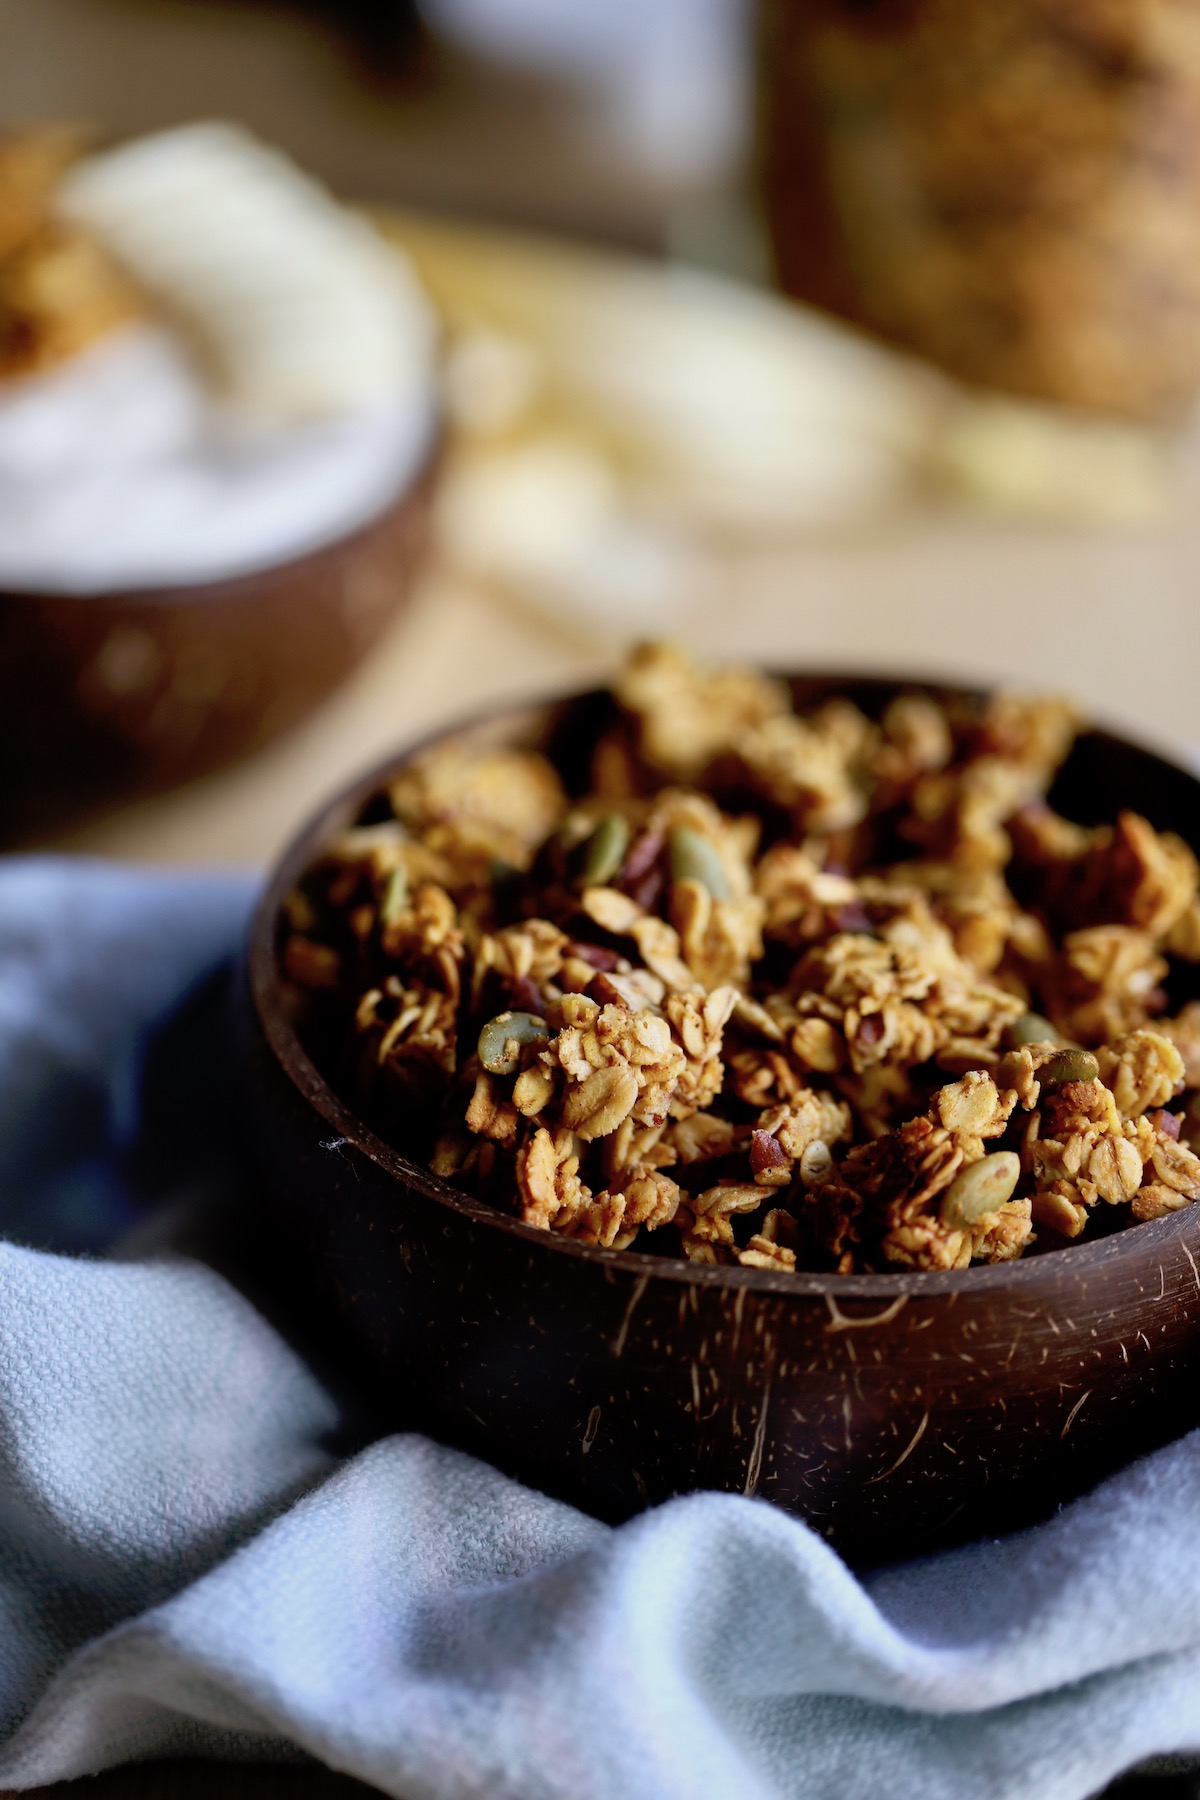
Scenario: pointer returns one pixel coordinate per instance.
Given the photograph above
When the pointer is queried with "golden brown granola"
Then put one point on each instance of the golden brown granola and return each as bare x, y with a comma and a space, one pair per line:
856, 998
59, 291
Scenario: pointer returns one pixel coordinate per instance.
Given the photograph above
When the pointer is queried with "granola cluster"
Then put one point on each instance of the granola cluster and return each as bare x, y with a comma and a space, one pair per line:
58, 290
785, 989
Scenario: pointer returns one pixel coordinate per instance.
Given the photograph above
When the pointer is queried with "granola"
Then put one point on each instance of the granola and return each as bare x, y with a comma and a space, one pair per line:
772, 989
59, 291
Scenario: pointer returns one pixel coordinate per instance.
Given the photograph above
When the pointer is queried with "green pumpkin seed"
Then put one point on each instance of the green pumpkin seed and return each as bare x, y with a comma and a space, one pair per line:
980, 1188
1031, 1028
503, 1038
395, 895
603, 852
695, 858
1068, 1065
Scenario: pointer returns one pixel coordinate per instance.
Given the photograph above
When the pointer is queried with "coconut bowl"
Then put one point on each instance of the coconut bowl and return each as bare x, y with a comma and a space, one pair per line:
111, 696
891, 1411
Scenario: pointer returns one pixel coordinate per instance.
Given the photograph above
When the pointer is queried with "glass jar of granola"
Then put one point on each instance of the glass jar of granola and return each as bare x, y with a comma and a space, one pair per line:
1010, 187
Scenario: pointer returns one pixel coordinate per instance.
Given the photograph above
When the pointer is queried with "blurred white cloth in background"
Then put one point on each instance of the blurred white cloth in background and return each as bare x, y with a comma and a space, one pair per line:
670, 77
116, 471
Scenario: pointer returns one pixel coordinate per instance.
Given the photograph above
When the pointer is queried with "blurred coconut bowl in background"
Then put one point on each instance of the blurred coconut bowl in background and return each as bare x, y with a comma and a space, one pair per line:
218, 429
111, 696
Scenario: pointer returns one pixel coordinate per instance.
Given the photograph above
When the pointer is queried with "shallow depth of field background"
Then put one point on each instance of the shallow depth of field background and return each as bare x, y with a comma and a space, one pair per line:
585, 161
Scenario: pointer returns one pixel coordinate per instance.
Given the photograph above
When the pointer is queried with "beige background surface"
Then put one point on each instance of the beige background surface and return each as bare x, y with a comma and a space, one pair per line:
1111, 617
450, 132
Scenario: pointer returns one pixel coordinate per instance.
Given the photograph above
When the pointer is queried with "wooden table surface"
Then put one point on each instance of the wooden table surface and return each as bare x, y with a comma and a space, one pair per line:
1113, 618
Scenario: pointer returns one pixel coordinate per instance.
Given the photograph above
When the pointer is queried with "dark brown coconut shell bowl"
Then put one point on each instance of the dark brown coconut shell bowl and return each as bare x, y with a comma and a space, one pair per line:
107, 697
892, 1411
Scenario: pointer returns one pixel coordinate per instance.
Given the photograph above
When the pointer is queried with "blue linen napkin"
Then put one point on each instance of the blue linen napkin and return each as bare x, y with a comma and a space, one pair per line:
187, 1568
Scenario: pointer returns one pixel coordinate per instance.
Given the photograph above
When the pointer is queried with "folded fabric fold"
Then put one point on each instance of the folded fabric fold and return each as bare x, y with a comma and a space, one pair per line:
187, 1568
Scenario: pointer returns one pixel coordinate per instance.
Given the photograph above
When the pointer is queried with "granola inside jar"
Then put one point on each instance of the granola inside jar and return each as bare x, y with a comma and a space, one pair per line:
1012, 189
783, 988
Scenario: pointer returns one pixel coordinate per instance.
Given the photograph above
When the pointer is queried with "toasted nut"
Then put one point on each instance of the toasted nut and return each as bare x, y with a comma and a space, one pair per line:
596, 956
601, 854
598, 1105
643, 853
1167, 1123
1031, 1028
695, 858
770, 1164
816, 1163
504, 1037
980, 1189
1068, 1065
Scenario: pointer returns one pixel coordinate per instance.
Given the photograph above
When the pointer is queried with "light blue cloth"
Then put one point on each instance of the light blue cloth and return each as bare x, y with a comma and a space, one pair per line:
185, 1568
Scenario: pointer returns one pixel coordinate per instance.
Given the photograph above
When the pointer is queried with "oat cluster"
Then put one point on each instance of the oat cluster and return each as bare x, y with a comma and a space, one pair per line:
58, 290
790, 990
